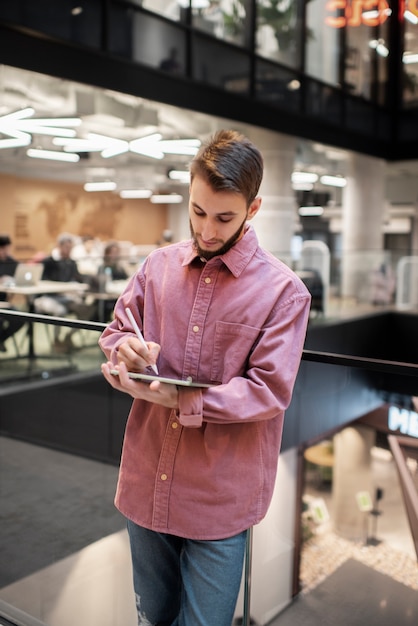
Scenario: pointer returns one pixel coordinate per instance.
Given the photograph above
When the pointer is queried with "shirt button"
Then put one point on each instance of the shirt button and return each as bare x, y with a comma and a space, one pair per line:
163, 477
195, 329
208, 280
174, 425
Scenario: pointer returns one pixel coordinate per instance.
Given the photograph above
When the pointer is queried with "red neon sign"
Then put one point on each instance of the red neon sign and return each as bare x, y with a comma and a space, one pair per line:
358, 12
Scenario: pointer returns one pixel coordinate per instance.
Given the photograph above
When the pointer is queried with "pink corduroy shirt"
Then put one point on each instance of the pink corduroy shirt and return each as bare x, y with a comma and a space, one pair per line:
238, 321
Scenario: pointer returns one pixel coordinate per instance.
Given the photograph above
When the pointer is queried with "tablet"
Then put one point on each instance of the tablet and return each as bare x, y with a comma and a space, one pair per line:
172, 381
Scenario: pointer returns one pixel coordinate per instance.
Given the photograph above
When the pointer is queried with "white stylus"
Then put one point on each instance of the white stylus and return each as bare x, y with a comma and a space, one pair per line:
139, 334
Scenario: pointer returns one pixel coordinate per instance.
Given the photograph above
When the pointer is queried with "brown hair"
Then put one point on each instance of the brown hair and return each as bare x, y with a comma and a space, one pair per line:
228, 161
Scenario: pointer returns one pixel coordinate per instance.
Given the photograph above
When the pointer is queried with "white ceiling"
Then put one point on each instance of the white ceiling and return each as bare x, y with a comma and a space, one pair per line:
127, 117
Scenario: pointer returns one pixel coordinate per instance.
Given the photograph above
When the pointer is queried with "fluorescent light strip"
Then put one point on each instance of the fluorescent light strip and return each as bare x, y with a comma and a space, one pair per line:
379, 46
411, 17
17, 115
135, 193
182, 176
52, 155
17, 140
302, 186
100, 186
409, 58
167, 198
372, 15
310, 211
333, 181
55, 131
304, 177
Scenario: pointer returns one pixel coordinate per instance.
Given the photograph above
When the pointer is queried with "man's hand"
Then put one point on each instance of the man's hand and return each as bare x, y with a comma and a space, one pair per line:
156, 392
136, 356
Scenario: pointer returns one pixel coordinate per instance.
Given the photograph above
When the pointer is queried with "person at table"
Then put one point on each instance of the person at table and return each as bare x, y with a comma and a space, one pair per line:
10, 325
111, 269
112, 265
59, 266
87, 253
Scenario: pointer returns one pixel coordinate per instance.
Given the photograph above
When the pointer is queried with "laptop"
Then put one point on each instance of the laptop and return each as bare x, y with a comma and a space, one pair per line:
28, 274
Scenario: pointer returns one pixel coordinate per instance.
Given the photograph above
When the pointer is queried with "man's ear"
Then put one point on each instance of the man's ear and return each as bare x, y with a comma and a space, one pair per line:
254, 206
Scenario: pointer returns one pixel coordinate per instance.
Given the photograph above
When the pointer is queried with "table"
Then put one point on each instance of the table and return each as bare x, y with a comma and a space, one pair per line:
43, 287
111, 293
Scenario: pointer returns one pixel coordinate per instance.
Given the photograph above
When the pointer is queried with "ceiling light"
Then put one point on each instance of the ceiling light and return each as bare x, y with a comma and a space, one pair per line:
106, 185
135, 193
180, 146
166, 198
17, 140
147, 146
379, 46
18, 122
293, 85
53, 155
154, 147
50, 126
182, 176
108, 146
304, 177
310, 211
302, 186
409, 57
333, 181
20, 129
411, 17
372, 15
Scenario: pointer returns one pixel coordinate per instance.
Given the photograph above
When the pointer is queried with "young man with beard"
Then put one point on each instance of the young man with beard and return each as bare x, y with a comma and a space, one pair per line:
198, 465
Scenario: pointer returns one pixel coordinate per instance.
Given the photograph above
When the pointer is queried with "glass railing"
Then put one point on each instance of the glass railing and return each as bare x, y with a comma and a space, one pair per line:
64, 545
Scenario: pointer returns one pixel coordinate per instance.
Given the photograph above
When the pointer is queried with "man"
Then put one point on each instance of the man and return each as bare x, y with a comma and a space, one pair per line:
59, 266
10, 325
199, 464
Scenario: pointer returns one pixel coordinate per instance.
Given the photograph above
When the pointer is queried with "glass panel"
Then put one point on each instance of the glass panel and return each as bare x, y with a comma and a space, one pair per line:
384, 125
168, 8
366, 54
278, 33
150, 41
360, 116
323, 44
277, 86
211, 65
408, 126
324, 101
65, 19
229, 20
33, 354
410, 57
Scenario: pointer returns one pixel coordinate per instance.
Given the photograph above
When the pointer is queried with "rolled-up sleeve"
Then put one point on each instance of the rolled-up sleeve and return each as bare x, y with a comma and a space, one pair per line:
190, 407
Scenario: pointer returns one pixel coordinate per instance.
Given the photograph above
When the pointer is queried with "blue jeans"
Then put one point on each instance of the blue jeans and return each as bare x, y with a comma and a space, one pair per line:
182, 582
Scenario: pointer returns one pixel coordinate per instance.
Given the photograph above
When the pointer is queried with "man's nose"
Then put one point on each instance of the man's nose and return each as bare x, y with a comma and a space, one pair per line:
209, 231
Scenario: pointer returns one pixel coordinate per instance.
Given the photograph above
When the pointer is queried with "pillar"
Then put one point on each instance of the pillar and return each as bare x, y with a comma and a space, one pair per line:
362, 222
351, 474
275, 221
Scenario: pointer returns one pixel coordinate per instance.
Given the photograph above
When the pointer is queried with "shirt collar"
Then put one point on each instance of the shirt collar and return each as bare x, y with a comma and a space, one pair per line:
237, 258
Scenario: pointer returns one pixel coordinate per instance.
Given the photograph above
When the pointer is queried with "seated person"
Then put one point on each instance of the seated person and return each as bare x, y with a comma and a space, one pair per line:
8, 264
87, 253
111, 269
111, 262
59, 266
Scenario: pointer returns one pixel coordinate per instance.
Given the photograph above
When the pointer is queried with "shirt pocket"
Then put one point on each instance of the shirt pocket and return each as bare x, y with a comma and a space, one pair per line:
231, 348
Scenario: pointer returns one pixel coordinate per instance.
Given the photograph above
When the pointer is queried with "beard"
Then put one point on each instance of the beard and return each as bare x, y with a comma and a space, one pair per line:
209, 254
